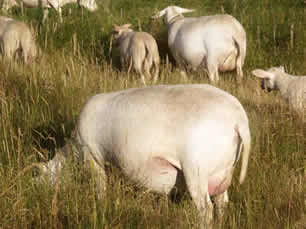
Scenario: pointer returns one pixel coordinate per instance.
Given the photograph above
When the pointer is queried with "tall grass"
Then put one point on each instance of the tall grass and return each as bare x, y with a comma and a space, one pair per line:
40, 105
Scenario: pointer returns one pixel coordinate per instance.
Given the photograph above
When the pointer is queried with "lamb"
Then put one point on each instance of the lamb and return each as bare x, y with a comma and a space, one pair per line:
16, 37
148, 134
215, 43
91, 5
138, 50
292, 88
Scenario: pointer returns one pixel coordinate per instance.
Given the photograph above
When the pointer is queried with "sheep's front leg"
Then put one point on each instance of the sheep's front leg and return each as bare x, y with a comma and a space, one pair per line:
97, 168
99, 176
239, 68
52, 169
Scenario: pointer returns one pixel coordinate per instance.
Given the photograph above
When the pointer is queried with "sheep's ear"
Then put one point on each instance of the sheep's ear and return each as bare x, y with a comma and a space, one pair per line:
262, 74
282, 68
183, 10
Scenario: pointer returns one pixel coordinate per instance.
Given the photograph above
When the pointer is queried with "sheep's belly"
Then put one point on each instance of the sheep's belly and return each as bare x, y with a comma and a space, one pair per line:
157, 175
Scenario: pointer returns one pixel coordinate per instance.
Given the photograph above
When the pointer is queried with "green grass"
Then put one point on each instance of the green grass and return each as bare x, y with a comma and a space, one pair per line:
40, 104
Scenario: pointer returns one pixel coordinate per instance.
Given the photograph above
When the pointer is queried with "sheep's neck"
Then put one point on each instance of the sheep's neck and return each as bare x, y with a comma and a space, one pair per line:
124, 35
175, 19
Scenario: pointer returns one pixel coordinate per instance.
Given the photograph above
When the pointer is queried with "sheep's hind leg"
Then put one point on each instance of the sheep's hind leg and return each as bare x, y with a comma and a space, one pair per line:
147, 67
213, 73
197, 184
46, 12
138, 69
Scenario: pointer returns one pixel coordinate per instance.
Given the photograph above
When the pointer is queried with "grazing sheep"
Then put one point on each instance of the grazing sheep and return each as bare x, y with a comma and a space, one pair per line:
16, 38
160, 134
292, 88
215, 43
138, 50
91, 5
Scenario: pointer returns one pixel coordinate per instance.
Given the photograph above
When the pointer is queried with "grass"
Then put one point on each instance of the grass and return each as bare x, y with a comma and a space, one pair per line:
40, 105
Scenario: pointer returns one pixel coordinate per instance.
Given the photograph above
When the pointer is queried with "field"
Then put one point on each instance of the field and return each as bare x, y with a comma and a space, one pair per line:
40, 104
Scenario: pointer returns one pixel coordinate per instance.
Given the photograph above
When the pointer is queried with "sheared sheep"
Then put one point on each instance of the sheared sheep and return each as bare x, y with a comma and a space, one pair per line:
215, 43
91, 5
160, 134
292, 88
138, 50
16, 37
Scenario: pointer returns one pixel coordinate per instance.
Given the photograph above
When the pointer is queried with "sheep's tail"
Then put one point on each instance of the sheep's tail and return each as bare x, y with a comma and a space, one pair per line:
149, 55
245, 141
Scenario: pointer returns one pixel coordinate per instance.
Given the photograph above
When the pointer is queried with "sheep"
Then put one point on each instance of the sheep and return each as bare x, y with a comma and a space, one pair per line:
214, 43
15, 37
91, 5
292, 88
138, 50
159, 134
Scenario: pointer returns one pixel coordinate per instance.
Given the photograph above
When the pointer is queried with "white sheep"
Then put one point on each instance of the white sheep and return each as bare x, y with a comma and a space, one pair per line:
160, 134
91, 5
292, 88
215, 43
16, 37
138, 50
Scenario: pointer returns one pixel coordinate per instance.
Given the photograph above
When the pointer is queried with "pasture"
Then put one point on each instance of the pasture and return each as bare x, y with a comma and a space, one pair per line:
40, 104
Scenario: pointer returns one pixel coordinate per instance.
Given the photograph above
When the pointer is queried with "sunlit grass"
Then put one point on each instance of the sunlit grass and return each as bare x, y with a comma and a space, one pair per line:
40, 104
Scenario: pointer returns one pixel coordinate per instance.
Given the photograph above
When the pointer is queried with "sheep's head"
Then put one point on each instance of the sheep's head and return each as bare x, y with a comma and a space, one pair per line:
268, 77
171, 12
119, 30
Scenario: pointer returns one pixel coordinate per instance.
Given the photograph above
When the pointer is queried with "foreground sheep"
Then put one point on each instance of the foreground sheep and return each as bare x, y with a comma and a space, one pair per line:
138, 50
216, 43
292, 88
16, 38
91, 5
160, 134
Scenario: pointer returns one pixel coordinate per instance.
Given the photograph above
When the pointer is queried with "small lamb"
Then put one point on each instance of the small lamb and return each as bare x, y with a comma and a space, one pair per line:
15, 37
292, 88
138, 50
